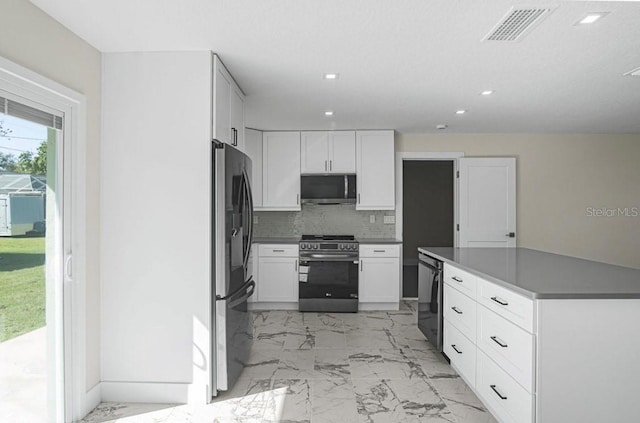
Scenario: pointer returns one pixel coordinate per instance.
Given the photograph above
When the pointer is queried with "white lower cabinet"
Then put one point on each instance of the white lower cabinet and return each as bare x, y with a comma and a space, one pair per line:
461, 351
379, 279
508, 345
486, 341
460, 310
277, 279
508, 400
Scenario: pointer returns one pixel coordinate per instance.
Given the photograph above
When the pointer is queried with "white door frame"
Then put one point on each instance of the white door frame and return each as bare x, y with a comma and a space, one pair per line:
35, 88
425, 156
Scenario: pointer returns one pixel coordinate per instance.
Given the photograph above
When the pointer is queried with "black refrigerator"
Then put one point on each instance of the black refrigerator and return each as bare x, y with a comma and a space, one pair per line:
232, 283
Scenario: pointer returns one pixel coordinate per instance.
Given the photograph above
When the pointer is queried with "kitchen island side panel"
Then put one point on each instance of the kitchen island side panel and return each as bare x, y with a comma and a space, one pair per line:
588, 368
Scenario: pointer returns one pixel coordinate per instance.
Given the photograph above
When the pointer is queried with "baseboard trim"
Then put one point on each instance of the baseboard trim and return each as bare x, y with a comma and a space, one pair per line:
273, 306
145, 392
379, 306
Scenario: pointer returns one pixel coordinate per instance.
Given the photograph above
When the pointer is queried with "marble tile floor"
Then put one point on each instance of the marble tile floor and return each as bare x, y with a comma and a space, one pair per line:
369, 367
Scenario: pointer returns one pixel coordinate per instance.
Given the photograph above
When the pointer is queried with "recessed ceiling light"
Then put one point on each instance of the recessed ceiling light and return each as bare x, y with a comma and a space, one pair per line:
441, 126
590, 18
328, 113
460, 112
486, 92
331, 75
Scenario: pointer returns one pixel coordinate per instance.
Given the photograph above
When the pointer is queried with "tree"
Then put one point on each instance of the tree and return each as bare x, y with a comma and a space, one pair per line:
8, 162
39, 163
4, 132
25, 162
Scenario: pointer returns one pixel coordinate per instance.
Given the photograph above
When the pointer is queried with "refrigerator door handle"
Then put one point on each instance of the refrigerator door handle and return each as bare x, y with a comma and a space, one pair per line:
236, 292
249, 292
250, 206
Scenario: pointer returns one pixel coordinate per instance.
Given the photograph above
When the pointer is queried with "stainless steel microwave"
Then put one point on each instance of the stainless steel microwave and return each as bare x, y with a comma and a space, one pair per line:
328, 189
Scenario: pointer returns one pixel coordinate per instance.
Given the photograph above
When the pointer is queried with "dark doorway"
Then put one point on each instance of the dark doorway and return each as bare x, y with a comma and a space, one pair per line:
427, 213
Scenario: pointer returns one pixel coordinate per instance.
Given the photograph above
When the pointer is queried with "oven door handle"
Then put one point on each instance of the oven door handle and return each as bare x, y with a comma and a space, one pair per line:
329, 257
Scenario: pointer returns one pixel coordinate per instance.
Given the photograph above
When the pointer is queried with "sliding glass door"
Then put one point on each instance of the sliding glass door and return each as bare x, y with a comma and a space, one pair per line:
32, 373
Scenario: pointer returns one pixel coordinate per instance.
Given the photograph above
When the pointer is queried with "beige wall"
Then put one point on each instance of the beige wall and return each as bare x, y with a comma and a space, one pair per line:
558, 178
34, 40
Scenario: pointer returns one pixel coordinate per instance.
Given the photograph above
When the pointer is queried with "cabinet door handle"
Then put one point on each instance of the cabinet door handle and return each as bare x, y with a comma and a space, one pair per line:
456, 310
457, 279
498, 341
325, 165
455, 349
296, 265
361, 264
493, 387
358, 198
330, 165
297, 199
500, 301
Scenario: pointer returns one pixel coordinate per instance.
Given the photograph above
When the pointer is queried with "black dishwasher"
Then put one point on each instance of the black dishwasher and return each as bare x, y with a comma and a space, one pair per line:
430, 299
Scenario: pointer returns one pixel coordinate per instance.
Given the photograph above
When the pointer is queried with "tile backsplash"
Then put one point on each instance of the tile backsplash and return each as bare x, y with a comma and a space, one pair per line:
328, 219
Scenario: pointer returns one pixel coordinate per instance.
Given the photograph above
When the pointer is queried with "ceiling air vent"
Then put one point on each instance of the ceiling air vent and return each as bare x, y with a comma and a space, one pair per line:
517, 23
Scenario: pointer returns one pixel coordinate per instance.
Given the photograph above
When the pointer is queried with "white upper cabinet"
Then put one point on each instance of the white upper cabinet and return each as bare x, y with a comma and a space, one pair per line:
253, 149
375, 170
281, 171
328, 152
237, 118
342, 152
228, 107
314, 152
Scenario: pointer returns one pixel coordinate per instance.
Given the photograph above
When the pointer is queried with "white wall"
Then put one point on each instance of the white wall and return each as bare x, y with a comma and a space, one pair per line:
34, 40
558, 178
155, 220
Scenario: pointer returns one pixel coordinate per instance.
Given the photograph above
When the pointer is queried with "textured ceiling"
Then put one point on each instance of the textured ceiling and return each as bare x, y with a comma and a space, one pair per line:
403, 64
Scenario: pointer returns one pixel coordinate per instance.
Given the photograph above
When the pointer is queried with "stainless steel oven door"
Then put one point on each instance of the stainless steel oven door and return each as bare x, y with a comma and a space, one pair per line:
328, 282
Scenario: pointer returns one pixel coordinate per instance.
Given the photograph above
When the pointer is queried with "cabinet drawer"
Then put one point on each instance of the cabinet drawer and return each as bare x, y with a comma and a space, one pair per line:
508, 304
278, 250
461, 351
510, 346
370, 250
460, 311
507, 399
460, 280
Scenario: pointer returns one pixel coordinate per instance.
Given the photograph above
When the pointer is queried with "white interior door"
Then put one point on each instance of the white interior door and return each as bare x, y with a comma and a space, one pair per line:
487, 189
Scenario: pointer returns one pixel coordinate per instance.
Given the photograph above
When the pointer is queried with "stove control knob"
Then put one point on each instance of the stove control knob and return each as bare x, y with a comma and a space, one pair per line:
315, 246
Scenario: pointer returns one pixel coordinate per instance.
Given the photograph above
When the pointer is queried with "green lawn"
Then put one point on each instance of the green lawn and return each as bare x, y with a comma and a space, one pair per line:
22, 286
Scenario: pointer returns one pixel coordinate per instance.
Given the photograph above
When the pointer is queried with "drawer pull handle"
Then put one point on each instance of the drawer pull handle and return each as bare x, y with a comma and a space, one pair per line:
500, 301
493, 387
498, 341
456, 310
457, 279
278, 251
455, 349
379, 251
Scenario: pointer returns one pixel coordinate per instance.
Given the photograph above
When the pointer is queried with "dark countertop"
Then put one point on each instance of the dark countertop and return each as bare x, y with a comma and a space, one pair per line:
541, 275
378, 241
292, 240
295, 240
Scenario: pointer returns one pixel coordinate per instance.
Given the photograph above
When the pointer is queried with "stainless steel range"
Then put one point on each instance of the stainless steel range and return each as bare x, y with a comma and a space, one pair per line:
328, 273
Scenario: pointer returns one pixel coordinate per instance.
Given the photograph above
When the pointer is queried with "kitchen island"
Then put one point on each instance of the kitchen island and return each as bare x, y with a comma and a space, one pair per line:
542, 337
